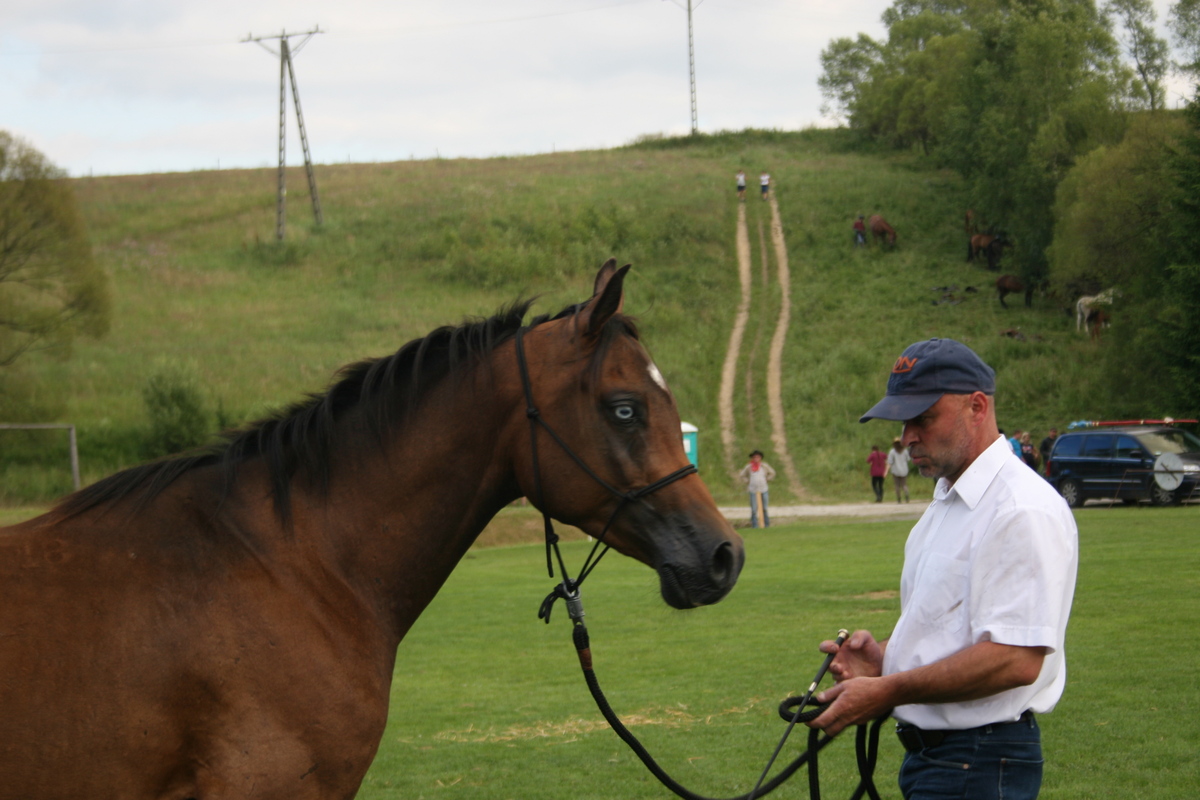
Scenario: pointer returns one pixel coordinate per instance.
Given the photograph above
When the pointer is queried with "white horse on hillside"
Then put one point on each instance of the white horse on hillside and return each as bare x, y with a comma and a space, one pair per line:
1085, 305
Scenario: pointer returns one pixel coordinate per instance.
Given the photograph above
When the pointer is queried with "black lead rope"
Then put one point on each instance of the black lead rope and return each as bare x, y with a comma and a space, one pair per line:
867, 743
866, 738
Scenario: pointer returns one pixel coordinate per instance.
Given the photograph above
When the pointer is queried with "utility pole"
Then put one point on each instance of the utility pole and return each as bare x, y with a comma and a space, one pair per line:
692, 68
286, 71
691, 63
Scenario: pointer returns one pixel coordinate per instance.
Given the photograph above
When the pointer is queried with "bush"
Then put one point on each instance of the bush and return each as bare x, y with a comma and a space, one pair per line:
178, 419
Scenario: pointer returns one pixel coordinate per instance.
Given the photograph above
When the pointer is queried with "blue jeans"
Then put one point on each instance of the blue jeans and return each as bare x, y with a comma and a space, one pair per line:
754, 511
992, 762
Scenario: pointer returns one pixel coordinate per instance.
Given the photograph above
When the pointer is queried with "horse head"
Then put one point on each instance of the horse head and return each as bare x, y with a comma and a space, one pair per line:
596, 387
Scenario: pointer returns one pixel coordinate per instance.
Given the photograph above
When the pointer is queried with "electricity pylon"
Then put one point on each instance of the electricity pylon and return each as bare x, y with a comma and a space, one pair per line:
691, 63
286, 71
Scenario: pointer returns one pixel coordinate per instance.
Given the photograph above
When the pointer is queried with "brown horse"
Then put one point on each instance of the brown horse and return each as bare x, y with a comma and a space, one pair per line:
990, 245
1097, 319
881, 231
1011, 284
224, 624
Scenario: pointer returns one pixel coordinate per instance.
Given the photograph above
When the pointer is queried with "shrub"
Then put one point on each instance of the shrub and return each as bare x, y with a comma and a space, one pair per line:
178, 418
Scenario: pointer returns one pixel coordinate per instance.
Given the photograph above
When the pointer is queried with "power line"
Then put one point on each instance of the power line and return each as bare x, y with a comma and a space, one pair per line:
286, 71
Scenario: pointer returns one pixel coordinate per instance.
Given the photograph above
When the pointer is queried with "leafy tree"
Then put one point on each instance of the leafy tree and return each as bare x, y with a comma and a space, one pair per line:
1127, 216
845, 65
1183, 19
1150, 54
1007, 92
51, 290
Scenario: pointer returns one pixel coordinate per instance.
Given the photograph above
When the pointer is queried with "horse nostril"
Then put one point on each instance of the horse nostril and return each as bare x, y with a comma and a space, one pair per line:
724, 568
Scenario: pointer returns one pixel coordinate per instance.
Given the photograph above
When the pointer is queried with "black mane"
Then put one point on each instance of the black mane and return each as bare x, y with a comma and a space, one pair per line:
298, 440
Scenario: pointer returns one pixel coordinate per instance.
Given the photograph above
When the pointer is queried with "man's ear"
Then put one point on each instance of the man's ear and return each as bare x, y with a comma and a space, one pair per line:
608, 299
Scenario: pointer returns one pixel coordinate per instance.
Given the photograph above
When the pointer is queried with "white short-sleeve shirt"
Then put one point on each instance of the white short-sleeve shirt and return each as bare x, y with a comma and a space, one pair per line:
993, 558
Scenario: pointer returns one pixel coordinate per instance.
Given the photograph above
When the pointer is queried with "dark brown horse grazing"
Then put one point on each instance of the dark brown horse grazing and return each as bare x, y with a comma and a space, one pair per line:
224, 625
1011, 284
881, 231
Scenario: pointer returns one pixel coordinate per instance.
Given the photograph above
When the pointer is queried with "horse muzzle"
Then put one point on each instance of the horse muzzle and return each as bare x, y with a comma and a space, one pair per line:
689, 583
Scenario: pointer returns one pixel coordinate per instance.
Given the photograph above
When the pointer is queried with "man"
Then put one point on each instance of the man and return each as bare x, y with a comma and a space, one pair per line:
898, 460
878, 463
741, 185
986, 590
1014, 442
1046, 446
860, 232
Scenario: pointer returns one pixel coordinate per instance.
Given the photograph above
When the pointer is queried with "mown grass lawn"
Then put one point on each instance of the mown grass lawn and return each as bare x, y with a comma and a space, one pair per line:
489, 703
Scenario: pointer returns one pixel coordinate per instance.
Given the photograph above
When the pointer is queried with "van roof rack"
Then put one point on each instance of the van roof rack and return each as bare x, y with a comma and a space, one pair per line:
1102, 423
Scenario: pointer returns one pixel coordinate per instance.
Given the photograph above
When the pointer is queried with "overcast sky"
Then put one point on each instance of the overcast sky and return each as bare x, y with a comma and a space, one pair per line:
132, 86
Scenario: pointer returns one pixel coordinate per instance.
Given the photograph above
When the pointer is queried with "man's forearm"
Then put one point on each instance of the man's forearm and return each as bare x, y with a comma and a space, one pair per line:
979, 671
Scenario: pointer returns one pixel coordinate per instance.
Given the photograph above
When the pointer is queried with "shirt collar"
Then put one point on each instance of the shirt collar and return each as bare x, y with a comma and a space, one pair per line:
976, 478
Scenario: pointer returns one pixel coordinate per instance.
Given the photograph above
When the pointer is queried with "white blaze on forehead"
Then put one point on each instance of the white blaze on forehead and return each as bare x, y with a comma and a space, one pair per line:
657, 377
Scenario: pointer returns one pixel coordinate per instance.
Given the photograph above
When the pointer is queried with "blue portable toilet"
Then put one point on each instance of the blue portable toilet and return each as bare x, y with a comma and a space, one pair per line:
690, 441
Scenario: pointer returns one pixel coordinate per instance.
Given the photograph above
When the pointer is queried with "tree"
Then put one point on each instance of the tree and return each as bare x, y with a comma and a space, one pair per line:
1126, 217
1184, 21
845, 65
1009, 94
1149, 53
51, 290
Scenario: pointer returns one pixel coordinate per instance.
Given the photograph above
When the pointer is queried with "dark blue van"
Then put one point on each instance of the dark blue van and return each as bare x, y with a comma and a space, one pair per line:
1129, 463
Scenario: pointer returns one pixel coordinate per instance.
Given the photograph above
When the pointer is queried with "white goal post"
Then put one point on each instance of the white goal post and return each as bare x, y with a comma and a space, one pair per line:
70, 429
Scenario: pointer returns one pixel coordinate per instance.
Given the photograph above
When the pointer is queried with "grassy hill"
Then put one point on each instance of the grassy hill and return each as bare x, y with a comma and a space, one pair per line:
200, 282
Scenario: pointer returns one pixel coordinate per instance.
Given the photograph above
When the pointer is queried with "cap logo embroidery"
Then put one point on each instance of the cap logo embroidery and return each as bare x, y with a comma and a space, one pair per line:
904, 364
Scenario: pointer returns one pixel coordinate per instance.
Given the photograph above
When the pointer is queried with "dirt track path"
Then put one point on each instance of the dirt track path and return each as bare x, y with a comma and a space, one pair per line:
775, 361
774, 382
729, 370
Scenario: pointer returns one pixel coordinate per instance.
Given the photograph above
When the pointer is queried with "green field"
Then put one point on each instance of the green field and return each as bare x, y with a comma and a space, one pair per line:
488, 702
199, 283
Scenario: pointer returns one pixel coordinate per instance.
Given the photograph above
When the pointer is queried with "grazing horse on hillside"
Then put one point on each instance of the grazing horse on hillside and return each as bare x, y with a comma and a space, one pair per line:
1011, 284
991, 245
881, 231
1085, 304
1097, 319
224, 624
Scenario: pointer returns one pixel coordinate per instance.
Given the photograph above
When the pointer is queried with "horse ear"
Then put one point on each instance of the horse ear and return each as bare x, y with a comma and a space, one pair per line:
608, 299
604, 276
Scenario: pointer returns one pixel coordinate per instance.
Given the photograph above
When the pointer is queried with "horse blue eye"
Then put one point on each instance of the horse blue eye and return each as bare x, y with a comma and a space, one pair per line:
623, 413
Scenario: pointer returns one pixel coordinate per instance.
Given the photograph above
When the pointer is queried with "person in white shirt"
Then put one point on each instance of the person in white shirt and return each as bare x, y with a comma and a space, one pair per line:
985, 594
755, 475
898, 460
764, 181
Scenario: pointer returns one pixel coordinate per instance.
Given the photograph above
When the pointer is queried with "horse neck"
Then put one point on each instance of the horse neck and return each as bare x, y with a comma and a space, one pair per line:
397, 519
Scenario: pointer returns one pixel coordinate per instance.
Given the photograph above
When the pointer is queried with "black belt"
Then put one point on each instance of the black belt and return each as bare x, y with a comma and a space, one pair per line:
916, 739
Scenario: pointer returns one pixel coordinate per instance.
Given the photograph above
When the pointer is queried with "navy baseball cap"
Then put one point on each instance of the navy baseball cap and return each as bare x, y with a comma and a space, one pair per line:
926, 371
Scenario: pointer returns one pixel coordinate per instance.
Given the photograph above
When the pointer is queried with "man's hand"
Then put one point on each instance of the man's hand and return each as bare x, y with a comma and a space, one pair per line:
859, 657
853, 702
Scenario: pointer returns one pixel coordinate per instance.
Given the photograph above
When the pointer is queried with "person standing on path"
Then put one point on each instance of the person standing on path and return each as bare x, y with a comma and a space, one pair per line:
985, 595
741, 185
764, 181
879, 468
898, 459
755, 475
860, 232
